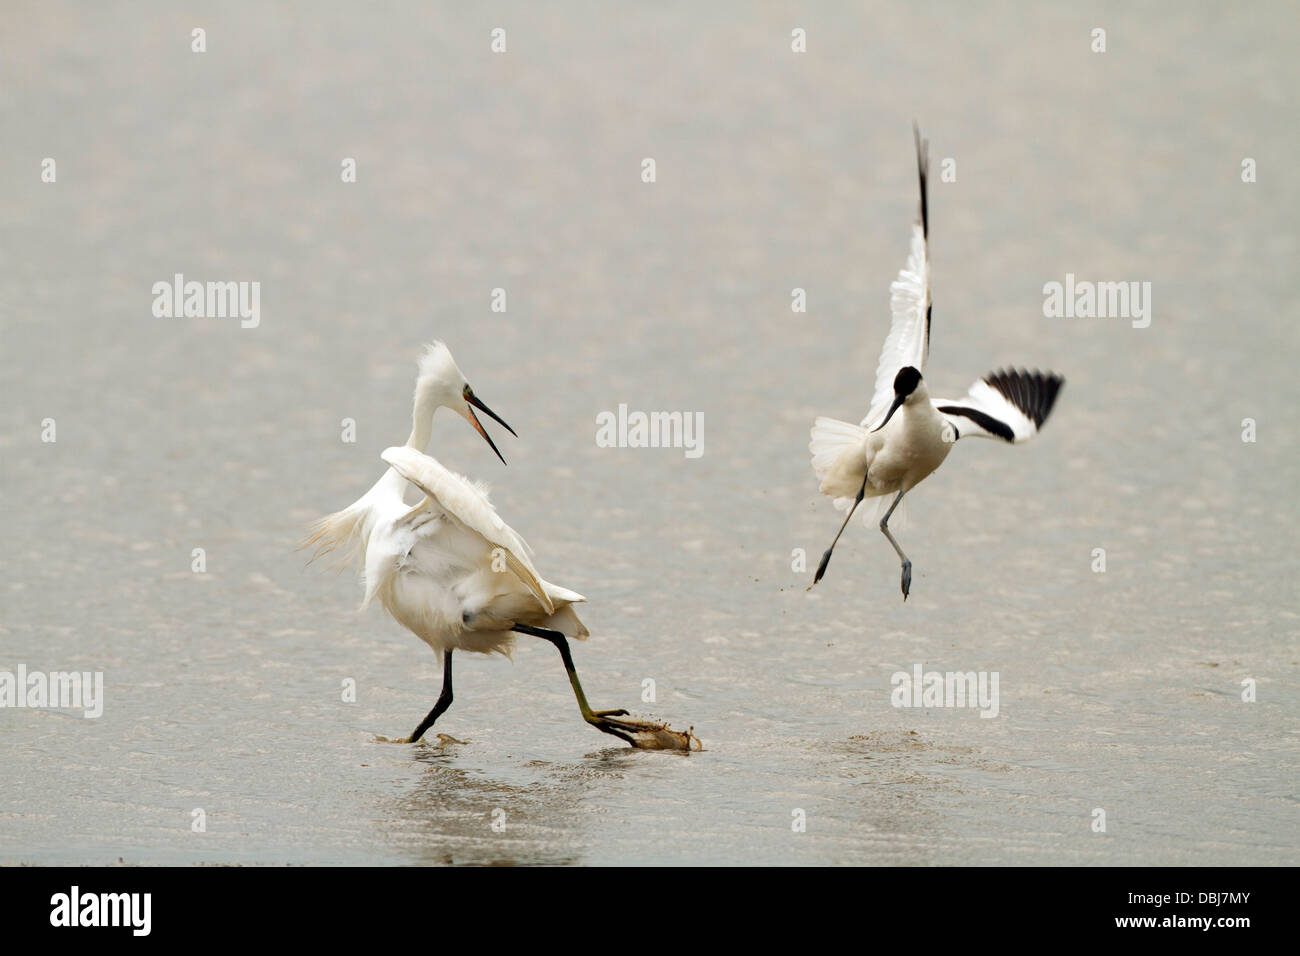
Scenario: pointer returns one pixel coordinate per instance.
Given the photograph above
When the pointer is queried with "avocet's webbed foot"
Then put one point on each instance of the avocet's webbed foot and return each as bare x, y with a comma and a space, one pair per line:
907, 578
821, 567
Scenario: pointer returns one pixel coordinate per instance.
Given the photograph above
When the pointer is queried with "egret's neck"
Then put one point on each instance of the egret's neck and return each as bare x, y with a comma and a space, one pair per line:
421, 421
421, 430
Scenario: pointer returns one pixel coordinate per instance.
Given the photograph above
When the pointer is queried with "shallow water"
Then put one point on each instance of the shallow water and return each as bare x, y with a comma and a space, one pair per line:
1118, 690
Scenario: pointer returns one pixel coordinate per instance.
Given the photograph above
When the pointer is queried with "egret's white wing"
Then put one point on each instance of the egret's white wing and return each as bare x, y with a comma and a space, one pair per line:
464, 503
1010, 404
908, 342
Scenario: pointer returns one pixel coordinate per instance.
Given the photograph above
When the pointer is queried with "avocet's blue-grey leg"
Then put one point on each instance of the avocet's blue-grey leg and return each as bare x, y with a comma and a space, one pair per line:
907, 565
826, 555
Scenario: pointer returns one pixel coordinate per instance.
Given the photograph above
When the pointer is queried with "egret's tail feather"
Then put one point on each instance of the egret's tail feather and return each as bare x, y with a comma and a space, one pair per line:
341, 530
562, 595
565, 620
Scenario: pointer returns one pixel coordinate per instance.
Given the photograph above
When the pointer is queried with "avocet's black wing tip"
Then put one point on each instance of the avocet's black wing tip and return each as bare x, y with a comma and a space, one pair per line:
1011, 404
1034, 393
923, 175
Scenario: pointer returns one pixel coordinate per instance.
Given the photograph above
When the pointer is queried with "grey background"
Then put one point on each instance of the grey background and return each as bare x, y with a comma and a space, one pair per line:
775, 170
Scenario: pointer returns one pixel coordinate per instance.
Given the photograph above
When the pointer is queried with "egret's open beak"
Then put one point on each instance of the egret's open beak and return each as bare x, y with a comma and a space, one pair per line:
898, 400
478, 426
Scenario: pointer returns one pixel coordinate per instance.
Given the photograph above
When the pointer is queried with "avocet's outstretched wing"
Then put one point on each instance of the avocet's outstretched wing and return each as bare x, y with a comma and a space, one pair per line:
462, 502
908, 342
1010, 404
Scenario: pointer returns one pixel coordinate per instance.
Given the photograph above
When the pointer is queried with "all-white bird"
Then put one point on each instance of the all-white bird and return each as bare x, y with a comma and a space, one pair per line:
906, 434
449, 569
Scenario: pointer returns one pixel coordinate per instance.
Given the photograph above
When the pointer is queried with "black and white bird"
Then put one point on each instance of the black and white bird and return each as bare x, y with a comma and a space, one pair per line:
906, 434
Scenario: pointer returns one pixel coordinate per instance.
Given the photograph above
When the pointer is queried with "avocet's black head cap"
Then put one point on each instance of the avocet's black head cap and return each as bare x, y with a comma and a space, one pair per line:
905, 383
906, 380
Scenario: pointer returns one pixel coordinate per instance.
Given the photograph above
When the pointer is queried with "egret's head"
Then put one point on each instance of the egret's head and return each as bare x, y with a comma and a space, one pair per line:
907, 389
442, 384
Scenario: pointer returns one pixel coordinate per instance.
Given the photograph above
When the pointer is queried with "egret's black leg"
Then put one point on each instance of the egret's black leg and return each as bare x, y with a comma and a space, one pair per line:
826, 557
907, 565
444, 701
600, 719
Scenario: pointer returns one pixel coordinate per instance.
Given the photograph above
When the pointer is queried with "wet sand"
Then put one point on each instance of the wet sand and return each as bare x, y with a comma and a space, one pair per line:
522, 171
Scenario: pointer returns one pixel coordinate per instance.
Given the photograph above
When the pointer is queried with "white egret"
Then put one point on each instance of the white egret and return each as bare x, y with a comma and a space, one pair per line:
449, 569
906, 435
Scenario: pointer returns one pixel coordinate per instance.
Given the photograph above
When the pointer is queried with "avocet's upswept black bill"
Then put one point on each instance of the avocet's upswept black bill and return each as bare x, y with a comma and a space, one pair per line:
906, 434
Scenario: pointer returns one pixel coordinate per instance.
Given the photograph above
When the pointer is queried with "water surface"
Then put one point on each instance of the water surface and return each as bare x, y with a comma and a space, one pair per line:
1118, 690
